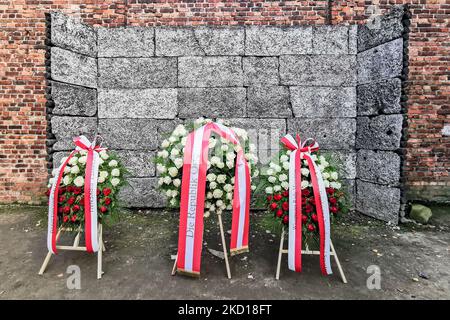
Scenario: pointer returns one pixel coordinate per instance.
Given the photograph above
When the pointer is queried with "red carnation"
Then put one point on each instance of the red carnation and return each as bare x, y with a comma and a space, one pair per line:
314, 217
279, 213
304, 219
66, 218
61, 190
303, 201
312, 200
277, 197
62, 199
334, 209
285, 206
330, 190
74, 218
66, 209
47, 193
71, 200
308, 208
82, 200
76, 190
70, 188
305, 192
108, 201
60, 210
103, 209
333, 200
273, 205
98, 192
269, 198
285, 219
106, 191
285, 193
311, 227
76, 208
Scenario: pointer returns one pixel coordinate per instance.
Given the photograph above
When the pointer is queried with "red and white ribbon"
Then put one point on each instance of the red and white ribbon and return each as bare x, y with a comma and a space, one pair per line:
90, 196
193, 187
299, 152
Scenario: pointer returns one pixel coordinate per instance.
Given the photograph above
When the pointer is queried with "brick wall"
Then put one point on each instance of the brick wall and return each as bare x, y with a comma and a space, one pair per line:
22, 68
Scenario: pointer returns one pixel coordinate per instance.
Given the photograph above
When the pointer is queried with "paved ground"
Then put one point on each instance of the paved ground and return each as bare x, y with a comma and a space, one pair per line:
137, 263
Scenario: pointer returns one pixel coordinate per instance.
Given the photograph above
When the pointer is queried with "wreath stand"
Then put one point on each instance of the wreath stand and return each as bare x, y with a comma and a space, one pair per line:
308, 252
225, 252
76, 247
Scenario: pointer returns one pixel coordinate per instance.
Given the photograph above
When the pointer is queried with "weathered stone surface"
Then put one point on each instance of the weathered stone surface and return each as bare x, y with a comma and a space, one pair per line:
381, 167
57, 156
137, 103
379, 97
349, 185
260, 71
381, 29
353, 39
378, 201
211, 102
274, 41
138, 163
318, 70
210, 72
314, 102
73, 100
165, 127
379, 133
126, 42
66, 128
129, 134
69, 33
136, 73
346, 161
199, 41
331, 39
268, 102
330, 133
74, 68
142, 193
382, 62
420, 213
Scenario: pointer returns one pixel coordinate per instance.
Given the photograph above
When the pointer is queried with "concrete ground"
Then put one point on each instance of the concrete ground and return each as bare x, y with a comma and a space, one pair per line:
414, 262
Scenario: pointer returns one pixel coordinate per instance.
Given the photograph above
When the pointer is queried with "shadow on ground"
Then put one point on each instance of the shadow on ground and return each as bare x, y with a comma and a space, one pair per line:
137, 262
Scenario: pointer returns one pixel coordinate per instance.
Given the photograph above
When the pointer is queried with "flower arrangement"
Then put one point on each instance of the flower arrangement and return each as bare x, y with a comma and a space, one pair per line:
71, 191
221, 166
275, 183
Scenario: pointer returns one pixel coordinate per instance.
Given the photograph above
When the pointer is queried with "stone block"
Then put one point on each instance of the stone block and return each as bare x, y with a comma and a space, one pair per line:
275, 41
380, 202
331, 39
379, 133
142, 193
315, 102
318, 70
71, 34
345, 160
260, 71
268, 102
382, 62
353, 39
381, 29
210, 71
380, 167
126, 42
74, 68
137, 73
73, 100
158, 103
330, 133
211, 102
379, 97
138, 163
67, 128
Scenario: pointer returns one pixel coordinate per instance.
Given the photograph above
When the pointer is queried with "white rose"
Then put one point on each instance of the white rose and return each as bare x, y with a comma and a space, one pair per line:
207, 204
326, 164
272, 165
174, 152
75, 169
270, 172
230, 164
314, 157
169, 193
115, 172
160, 181
172, 139
305, 172
217, 193
277, 168
209, 195
183, 141
285, 185
211, 177
115, 181
178, 163
73, 161
167, 180
326, 183
163, 154
206, 214
161, 168
229, 196
282, 177
322, 159
335, 185
177, 182
232, 180
253, 188
104, 155
213, 185
269, 190
79, 181
325, 175
55, 172
113, 163
173, 202
51, 181
220, 165
215, 160
100, 161
165, 144
101, 179
221, 178
212, 143
286, 165
230, 156
272, 179
219, 203
321, 168
334, 175
284, 158
84, 152
224, 147
228, 187
66, 180
173, 171
67, 169
229, 207
277, 188
305, 184
255, 173
288, 152
252, 147
82, 159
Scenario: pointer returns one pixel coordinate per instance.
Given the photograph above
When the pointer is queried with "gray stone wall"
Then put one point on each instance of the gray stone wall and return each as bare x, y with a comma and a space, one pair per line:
132, 85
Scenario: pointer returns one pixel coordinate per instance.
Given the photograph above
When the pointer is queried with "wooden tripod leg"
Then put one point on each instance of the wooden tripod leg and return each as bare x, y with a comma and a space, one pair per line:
100, 252
48, 256
174, 269
225, 252
280, 254
344, 279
